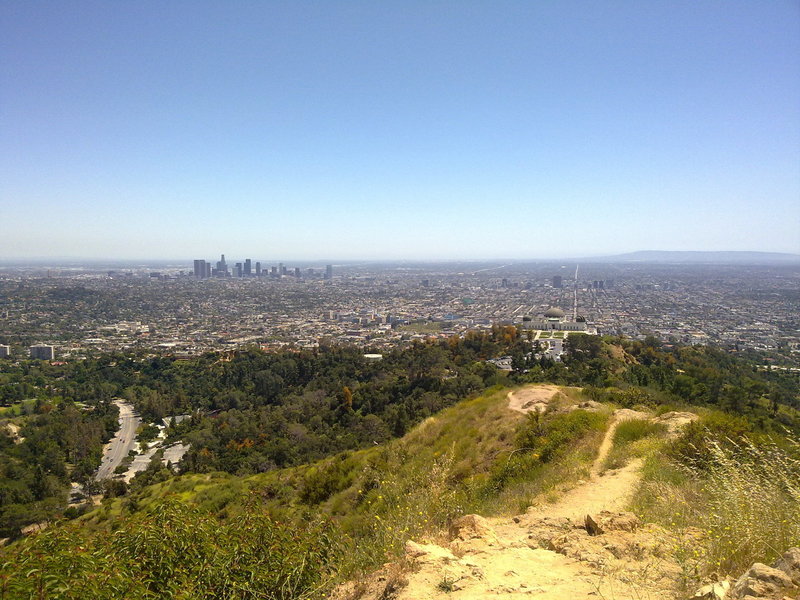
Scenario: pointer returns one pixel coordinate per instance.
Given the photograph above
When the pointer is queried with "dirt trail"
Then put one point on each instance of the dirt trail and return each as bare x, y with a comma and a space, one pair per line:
611, 491
547, 553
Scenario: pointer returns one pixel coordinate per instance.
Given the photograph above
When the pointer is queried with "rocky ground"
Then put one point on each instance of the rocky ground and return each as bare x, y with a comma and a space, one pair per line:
583, 546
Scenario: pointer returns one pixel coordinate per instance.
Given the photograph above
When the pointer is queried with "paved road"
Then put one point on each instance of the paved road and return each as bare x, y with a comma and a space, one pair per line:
122, 443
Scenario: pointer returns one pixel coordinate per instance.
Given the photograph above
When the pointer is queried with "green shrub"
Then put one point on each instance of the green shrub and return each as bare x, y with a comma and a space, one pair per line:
173, 552
148, 432
633, 438
542, 439
694, 447
636, 429
325, 480
545, 436
627, 397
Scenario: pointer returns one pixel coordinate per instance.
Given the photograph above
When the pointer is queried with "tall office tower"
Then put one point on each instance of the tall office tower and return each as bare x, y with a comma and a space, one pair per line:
297, 272
208, 269
200, 269
328, 271
258, 269
238, 269
282, 269
42, 352
248, 267
5, 351
222, 267
557, 282
274, 271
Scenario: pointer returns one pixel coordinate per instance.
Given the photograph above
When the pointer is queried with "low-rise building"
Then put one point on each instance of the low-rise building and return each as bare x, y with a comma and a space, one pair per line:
554, 319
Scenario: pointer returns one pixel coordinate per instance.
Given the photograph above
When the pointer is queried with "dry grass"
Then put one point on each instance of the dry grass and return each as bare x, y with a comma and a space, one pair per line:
742, 507
753, 505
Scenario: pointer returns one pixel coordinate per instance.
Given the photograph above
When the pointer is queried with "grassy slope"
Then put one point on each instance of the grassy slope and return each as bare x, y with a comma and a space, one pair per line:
730, 495
462, 460
469, 434
455, 462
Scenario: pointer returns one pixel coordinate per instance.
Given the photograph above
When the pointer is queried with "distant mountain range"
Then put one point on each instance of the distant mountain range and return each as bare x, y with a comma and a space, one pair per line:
642, 256
700, 257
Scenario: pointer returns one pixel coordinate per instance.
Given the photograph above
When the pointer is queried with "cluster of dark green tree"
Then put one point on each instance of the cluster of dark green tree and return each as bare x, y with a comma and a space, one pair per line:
54, 420
708, 376
55, 443
634, 372
254, 411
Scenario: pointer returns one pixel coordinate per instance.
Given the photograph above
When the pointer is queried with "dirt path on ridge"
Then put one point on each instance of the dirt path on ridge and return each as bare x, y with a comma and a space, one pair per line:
611, 491
547, 552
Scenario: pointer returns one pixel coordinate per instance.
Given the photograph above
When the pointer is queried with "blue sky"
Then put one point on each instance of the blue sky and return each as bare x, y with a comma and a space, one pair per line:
412, 130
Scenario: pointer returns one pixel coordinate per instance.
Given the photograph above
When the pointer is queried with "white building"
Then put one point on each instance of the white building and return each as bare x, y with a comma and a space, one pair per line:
554, 319
42, 352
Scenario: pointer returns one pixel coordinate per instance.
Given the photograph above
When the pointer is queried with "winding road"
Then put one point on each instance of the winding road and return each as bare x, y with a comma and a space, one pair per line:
122, 443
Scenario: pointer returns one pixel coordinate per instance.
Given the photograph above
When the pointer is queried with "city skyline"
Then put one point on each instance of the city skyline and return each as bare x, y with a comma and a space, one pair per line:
460, 131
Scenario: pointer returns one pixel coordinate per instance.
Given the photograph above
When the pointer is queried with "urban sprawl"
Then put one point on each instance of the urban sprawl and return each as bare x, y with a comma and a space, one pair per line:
54, 312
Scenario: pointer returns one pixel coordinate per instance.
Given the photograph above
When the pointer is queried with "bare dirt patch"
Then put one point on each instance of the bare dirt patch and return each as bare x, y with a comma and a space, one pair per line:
533, 398
675, 421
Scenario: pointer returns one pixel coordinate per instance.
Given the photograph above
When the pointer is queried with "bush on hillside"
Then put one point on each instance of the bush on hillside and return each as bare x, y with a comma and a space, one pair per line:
542, 439
695, 447
633, 438
636, 429
326, 479
546, 436
173, 552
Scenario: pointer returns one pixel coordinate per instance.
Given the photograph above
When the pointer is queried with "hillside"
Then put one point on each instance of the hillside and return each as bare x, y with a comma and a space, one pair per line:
534, 462
350, 512
592, 433
586, 542
457, 451
548, 550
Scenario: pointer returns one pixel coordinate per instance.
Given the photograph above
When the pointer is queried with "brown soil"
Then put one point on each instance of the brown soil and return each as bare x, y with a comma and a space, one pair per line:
532, 398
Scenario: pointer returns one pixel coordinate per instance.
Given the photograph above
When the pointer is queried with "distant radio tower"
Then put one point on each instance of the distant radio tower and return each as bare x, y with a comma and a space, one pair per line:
575, 299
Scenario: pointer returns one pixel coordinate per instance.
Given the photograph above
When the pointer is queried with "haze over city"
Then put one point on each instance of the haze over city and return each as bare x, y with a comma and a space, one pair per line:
368, 300
398, 130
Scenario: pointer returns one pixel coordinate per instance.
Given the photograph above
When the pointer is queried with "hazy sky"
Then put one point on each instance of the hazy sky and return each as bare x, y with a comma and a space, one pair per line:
372, 129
